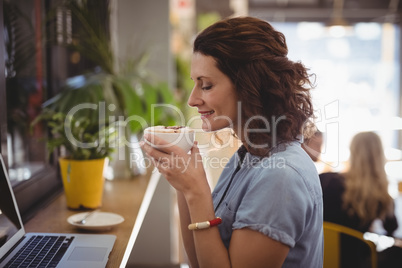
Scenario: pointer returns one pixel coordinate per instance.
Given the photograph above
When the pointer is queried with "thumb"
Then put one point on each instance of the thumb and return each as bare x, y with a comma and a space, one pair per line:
195, 148
195, 151
196, 156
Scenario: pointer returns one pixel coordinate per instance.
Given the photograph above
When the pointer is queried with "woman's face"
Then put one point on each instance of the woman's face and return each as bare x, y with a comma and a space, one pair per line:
213, 94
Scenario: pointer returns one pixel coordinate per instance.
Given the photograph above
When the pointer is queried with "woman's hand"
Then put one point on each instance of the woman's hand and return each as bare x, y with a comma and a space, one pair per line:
185, 172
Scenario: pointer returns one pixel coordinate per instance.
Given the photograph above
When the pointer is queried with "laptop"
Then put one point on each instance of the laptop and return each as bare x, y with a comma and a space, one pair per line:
61, 250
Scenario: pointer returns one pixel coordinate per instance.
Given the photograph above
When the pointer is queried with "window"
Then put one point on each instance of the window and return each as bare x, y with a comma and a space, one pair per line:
357, 85
37, 63
24, 75
22, 91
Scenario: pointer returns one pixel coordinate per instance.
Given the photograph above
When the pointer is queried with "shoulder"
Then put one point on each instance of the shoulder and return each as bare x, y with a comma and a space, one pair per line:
292, 156
289, 169
297, 165
279, 194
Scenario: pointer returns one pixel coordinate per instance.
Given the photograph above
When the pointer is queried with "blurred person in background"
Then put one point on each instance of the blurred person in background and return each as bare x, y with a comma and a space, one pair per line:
312, 145
359, 196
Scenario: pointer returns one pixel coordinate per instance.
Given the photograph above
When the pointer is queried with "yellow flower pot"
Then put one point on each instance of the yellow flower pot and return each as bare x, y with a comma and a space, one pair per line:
83, 182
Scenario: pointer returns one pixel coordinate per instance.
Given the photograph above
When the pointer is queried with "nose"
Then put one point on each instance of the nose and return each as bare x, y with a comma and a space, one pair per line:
195, 98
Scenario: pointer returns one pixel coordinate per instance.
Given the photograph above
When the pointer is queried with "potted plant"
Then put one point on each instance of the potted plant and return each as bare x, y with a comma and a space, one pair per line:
83, 125
79, 125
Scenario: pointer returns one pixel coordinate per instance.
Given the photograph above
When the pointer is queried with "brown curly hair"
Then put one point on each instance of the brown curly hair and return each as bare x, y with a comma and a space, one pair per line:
270, 87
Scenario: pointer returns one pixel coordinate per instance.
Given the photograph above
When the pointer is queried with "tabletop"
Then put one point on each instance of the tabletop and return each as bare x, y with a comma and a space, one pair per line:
121, 196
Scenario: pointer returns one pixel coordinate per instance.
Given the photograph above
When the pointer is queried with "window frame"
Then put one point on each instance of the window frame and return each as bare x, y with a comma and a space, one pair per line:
44, 185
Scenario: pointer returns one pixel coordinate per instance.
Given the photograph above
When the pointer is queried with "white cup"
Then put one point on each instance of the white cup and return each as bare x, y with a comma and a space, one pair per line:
182, 137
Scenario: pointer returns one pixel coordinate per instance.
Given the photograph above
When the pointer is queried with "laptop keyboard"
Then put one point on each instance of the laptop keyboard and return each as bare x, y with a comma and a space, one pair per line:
41, 251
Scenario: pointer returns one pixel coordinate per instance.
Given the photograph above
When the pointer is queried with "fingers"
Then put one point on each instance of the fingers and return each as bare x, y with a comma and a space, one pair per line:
151, 151
195, 149
170, 160
167, 164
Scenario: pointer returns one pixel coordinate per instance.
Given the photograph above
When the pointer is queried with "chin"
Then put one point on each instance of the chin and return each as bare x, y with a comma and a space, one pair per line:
207, 127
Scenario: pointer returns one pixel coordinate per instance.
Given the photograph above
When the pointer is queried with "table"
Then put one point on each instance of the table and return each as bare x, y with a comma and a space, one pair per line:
121, 196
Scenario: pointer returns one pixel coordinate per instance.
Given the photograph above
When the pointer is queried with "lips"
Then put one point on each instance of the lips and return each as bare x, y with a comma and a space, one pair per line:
206, 114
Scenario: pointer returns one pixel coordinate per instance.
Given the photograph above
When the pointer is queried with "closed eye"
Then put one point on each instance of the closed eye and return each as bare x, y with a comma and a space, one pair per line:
206, 88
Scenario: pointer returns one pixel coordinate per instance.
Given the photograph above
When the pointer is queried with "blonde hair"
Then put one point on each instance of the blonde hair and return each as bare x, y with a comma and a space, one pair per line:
366, 184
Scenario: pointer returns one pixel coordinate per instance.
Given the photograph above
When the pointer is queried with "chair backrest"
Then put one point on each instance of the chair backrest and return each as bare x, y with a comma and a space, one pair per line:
332, 244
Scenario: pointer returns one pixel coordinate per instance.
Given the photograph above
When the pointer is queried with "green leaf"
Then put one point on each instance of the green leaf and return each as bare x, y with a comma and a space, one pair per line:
132, 104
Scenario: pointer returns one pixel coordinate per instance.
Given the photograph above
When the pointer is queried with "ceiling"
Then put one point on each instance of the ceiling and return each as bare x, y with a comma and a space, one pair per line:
322, 10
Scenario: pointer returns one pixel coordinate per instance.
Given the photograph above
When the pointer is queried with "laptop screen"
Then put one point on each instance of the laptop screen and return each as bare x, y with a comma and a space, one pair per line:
9, 220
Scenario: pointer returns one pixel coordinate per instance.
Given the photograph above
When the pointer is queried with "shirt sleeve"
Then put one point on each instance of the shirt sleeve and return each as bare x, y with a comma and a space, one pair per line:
277, 204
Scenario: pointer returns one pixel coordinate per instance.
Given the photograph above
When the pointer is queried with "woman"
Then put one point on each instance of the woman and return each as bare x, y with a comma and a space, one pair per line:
268, 198
313, 145
359, 196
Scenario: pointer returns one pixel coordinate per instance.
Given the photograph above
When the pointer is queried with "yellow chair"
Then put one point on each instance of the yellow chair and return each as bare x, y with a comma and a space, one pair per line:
332, 244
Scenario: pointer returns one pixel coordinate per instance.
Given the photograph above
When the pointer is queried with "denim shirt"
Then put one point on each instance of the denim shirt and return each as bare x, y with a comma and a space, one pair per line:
279, 196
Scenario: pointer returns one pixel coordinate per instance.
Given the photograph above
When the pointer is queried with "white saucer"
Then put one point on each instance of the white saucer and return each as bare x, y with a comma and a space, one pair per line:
98, 221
